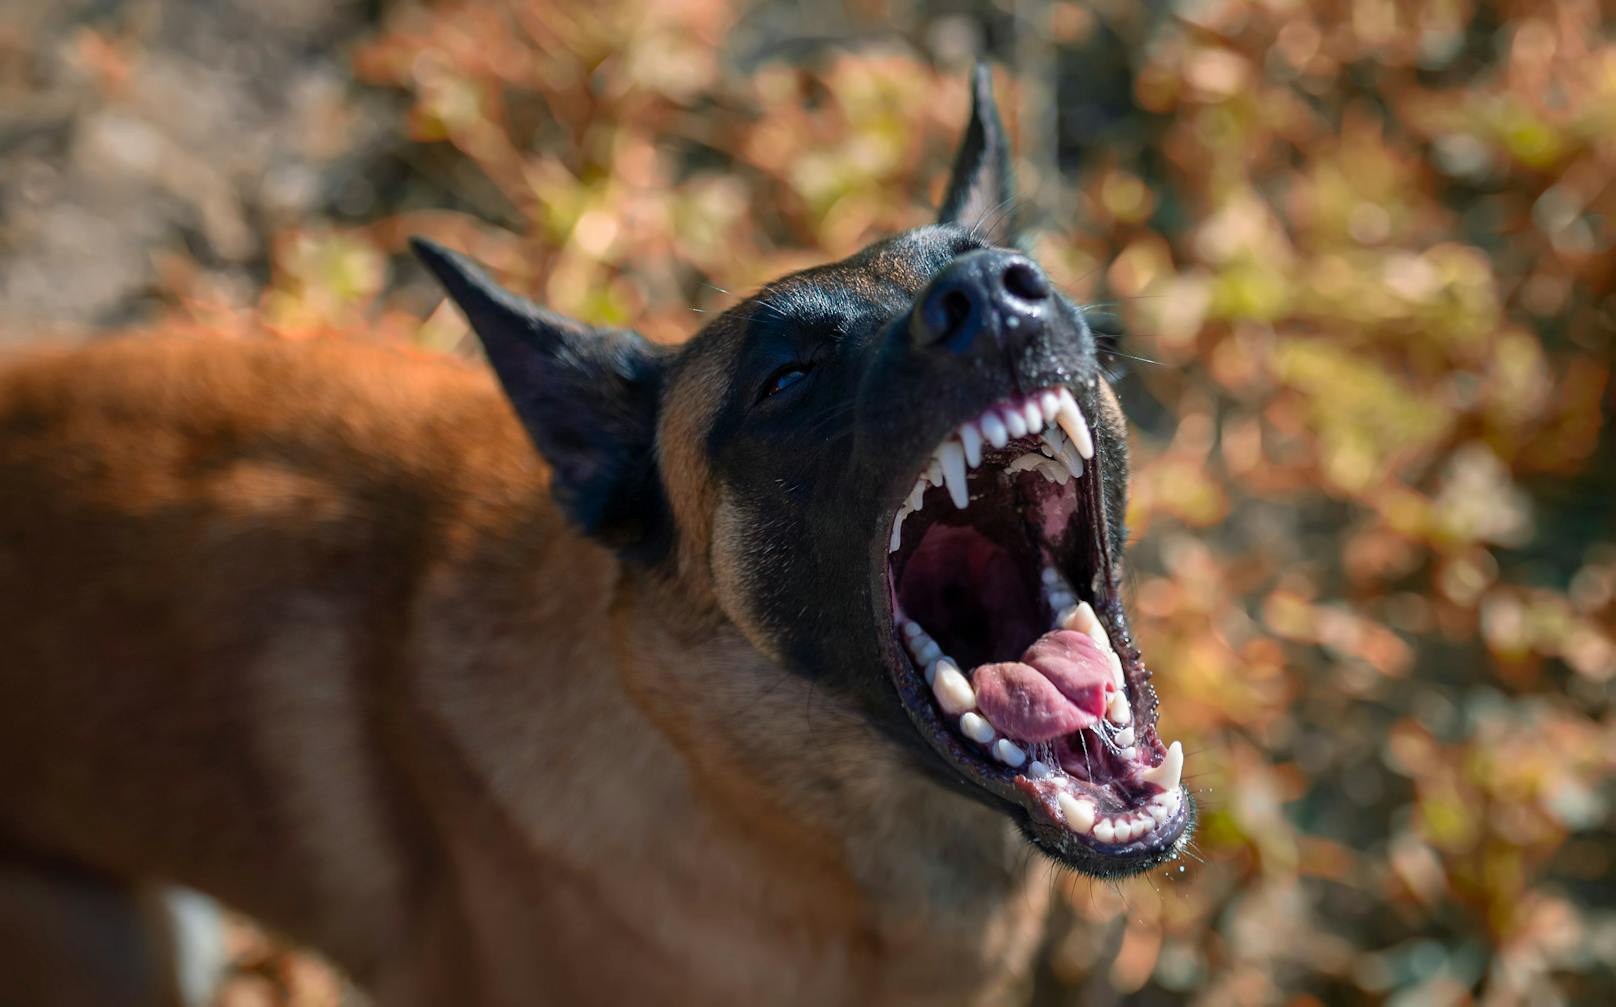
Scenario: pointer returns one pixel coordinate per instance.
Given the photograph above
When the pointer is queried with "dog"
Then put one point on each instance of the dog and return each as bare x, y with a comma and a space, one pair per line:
743, 671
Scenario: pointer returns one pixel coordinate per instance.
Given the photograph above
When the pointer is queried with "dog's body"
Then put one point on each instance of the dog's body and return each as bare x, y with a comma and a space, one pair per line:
312, 628
300, 626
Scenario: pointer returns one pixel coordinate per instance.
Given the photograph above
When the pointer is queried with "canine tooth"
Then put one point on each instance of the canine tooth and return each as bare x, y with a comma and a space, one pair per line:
1034, 417
1117, 710
952, 457
976, 727
971, 440
1158, 812
1071, 420
1081, 618
1105, 830
1006, 752
954, 693
1014, 422
1167, 774
993, 429
1124, 738
1039, 771
1079, 814
1049, 404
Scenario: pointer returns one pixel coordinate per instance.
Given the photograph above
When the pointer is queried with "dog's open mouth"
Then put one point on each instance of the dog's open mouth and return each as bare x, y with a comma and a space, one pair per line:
1021, 670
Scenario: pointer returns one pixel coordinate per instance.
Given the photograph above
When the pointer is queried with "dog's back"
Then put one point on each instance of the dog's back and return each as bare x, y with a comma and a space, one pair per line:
199, 521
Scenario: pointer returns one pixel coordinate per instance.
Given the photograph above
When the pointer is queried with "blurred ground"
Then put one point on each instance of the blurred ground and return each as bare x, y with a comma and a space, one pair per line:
1364, 252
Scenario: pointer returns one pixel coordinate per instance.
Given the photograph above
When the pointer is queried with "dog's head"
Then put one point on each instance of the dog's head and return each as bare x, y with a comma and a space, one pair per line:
903, 476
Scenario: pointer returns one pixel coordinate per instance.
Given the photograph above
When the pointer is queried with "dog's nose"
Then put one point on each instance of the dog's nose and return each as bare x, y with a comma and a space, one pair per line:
984, 301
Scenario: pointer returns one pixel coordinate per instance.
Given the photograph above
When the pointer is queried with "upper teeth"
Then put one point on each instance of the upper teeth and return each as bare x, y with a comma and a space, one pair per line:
1065, 443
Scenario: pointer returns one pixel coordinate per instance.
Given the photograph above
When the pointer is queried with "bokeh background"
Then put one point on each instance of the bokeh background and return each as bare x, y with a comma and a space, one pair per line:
1363, 252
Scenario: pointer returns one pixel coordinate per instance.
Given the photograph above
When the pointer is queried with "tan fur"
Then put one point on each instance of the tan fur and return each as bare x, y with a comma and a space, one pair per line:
298, 626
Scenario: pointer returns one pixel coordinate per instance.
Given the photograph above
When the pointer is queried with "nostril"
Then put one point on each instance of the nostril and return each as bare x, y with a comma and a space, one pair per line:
1025, 282
947, 311
956, 307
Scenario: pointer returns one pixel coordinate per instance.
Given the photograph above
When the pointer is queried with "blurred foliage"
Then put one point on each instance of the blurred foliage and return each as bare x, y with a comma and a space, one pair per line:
1364, 252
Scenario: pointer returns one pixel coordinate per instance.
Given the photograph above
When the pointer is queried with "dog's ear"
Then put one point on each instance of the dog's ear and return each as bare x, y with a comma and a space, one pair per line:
981, 192
588, 398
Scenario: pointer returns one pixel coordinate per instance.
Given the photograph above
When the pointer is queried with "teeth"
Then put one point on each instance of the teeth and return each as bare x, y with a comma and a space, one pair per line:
1082, 619
1049, 575
1054, 473
971, 439
993, 429
1008, 753
1070, 418
1025, 462
1015, 422
1117, 678
1124, 737
897, 529
1105, 830
1164, 806
952, 457
1068, 456
934, 473
1049, 405
954, 693
976, 727
1039, 771
1167, 774
915, 495
1117, 710
1079, 814
1034, 417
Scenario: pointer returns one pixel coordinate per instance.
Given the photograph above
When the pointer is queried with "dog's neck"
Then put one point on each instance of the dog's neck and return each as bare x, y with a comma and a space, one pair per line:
705, 793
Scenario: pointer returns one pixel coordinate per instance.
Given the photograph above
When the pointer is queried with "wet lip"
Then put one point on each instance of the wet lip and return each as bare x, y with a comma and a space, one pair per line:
1012, 653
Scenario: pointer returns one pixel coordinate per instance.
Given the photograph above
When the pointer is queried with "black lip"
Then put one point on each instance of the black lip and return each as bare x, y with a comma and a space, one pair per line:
1036, 821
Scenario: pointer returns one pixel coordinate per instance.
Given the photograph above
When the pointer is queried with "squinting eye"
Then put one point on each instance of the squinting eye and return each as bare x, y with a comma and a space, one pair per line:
783, 379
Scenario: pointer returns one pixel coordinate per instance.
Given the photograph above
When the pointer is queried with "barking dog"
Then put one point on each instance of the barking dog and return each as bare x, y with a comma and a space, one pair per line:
737, 672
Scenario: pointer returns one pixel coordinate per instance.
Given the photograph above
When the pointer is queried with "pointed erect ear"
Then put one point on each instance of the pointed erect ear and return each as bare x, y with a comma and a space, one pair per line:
981, 192
588, 398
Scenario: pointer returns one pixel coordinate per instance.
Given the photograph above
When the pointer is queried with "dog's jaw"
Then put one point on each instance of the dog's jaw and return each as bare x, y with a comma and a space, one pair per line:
1044, 701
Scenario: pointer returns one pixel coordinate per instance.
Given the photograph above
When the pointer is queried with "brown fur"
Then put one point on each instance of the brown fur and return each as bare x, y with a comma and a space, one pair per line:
299, 626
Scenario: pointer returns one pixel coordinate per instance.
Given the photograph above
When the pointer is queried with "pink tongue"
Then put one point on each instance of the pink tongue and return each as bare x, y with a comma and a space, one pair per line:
1056, 688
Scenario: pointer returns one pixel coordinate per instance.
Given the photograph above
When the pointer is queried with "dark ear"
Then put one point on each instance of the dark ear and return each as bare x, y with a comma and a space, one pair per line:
588, 398
981, 191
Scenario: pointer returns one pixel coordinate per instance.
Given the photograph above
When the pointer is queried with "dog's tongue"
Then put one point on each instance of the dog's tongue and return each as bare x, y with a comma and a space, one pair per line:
1056, 688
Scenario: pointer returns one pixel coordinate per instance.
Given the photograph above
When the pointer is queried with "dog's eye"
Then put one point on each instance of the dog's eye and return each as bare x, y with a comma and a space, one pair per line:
782, 379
